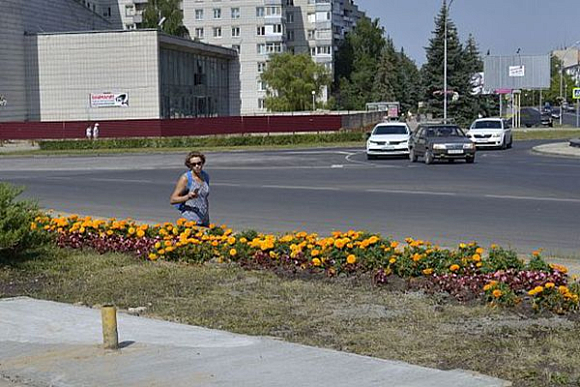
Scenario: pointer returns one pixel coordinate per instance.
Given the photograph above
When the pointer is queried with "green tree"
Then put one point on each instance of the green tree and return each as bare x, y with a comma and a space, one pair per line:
156, 10
408, 83
290, 80
458, 79
357, 62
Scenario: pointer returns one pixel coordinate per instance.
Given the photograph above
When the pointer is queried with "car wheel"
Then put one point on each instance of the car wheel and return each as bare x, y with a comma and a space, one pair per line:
509, 145
412, 155
428, 157
470, 159
528, 125
504, 144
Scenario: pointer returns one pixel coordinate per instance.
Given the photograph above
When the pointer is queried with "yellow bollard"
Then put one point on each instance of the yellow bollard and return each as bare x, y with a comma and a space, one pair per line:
110, 335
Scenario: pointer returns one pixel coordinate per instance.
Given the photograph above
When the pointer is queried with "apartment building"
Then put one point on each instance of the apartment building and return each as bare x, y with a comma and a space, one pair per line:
258, 28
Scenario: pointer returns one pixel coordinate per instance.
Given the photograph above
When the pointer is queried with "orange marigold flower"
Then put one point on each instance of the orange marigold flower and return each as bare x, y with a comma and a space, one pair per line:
428, 271
315, 252
476, 257
392, 260
316, 262
454, 267
497, 293
479, 250
549, 285
233, 252
394, 244
351, 259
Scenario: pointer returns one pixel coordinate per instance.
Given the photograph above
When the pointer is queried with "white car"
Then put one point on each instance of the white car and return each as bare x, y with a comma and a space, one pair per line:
388, 139
490, 133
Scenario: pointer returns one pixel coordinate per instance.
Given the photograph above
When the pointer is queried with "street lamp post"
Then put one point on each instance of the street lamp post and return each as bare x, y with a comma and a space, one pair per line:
313, 100
447, 7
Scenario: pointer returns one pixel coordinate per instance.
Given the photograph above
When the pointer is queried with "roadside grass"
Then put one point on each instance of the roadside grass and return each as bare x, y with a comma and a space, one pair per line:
344, 313
545, 134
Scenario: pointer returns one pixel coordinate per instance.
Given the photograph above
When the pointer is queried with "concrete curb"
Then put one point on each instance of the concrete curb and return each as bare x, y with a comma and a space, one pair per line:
562, 149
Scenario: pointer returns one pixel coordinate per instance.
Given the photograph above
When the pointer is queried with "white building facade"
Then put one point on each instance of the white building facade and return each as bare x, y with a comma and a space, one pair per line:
258, 28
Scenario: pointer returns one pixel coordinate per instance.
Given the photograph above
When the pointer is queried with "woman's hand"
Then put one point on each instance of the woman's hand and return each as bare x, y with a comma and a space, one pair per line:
193, 194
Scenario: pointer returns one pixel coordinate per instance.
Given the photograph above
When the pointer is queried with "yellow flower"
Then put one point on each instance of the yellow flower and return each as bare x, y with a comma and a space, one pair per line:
153, 256
417, 257
131, 230
351, 259
563, 289
233, 252
462, 245
487, 287
140, 233
33, 226
392, 260
315, 252
497, 293
454, 267
549, 285
157, 245
243, 240
316, 262
479, 250
231, 240
394, 244
476, 257
560, 268
428, 271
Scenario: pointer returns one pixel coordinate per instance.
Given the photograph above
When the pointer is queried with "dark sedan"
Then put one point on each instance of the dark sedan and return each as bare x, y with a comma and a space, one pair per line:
441, 142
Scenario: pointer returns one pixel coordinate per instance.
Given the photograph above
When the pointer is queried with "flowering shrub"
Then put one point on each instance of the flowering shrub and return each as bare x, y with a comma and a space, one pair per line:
465, 272
500, 294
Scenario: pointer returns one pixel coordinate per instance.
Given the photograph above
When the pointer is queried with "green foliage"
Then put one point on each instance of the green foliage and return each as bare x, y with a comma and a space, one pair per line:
461, 63
17, 232
502, 259
290, 80
201, 142
168, 9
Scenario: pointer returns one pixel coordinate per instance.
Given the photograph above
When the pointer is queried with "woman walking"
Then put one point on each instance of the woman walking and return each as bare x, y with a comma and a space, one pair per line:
191, 192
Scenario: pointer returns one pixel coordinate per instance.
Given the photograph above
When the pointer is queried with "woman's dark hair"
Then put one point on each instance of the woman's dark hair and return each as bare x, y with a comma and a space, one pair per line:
194, 154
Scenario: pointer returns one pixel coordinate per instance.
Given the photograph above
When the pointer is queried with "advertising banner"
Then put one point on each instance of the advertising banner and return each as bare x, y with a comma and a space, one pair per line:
517, 71
98, 100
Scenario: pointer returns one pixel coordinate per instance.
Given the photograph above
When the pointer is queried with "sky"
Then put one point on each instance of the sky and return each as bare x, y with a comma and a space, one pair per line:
502, 26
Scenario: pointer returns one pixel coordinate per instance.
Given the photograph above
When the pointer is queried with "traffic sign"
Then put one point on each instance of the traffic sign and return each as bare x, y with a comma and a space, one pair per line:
576, 93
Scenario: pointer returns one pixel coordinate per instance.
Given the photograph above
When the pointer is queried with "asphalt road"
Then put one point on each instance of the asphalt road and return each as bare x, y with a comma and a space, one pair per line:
514, 198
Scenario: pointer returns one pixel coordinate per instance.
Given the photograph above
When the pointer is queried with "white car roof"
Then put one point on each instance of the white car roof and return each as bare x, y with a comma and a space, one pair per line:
489, 119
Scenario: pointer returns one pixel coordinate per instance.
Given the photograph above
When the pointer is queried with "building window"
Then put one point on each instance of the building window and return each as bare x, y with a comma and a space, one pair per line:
235, 32
260, 30
130, 26
237, 47
199, 14
277, 28
261, 48
312, 51
323, 50
311, 34
261, 67
311, 17
235, 13
217, 32
273, 47
290, 2
322, 16
261, 104
290, 35
273, 11
261, 85
260, 12
217, 13
290, 17
129, 10
199, 33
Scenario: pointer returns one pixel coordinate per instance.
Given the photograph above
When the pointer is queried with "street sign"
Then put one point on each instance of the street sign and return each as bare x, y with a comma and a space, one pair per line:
576, 93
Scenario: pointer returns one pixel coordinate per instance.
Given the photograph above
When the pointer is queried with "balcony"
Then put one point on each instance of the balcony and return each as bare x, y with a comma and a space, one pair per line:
275, 38
273, 2
323, 7
323, 24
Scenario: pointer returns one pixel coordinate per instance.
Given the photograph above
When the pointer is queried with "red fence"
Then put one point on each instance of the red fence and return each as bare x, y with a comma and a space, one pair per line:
174, 127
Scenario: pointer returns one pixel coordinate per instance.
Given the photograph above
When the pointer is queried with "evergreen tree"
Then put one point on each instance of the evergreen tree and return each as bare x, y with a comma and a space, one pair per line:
385, 81
290, 80
156, 10
432, 71
408, 83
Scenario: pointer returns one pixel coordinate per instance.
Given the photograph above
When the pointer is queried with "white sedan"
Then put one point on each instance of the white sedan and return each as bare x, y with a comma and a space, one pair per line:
388, 139
490, 132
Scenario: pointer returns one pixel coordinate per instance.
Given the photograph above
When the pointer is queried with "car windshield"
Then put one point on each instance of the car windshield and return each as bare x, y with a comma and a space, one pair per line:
390, 129
487, 125
445, 131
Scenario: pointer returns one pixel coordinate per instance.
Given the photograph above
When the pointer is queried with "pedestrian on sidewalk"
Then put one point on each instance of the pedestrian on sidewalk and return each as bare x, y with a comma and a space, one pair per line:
96, 131
191, 192
89, 132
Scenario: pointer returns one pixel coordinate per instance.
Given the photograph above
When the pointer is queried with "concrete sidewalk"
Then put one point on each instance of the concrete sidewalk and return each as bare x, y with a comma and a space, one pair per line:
45, 343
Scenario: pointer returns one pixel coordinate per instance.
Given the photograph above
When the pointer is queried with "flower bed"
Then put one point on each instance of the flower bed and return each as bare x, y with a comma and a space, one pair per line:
468, 271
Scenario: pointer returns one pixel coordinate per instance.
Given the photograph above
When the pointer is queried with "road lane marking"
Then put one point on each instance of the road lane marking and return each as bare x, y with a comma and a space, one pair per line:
547, 199
301, 187
120, 180
396, 191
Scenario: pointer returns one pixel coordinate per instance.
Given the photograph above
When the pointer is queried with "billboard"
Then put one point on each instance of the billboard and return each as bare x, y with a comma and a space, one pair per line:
517, 72
99, 100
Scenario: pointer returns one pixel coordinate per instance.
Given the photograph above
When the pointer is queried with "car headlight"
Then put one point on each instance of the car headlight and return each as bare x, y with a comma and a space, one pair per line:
496, 135
439, 146
468, 146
